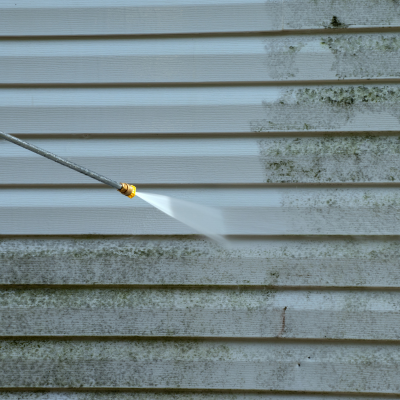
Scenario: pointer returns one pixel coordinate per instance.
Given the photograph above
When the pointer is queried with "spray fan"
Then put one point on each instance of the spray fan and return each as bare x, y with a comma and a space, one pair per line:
205, 220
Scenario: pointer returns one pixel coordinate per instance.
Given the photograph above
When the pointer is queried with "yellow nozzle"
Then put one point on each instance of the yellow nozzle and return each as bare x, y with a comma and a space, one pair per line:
128, 190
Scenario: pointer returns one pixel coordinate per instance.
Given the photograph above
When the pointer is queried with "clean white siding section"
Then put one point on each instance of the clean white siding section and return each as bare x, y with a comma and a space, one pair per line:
282, 114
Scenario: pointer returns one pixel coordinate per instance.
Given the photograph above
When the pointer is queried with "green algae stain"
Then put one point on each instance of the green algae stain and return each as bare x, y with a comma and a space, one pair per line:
354, 158
326, 108
364, 56
348, 96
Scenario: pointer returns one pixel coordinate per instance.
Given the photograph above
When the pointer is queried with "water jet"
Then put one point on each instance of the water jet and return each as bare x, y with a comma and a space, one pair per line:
205, 220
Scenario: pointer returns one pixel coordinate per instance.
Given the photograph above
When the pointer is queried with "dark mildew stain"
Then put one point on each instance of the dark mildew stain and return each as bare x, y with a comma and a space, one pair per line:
326, 108
364, 56
336, 24
353, 158
283, 327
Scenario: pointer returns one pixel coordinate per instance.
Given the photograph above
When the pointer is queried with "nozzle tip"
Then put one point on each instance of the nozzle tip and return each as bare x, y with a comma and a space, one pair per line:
128, 190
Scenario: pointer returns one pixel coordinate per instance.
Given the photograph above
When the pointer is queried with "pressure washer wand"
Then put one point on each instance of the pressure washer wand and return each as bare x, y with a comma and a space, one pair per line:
124, 188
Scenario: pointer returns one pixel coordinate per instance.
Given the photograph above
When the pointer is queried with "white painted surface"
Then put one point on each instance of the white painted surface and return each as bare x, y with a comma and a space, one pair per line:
138, 161
124, 18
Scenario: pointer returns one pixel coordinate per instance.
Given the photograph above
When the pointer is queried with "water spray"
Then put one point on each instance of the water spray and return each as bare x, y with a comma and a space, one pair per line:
205, 220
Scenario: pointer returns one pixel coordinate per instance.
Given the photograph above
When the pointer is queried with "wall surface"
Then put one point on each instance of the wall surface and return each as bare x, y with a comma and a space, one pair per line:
284, 114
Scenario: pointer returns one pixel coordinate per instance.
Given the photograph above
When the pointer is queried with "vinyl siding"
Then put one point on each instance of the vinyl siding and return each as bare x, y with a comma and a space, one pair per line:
212, 59
282, 114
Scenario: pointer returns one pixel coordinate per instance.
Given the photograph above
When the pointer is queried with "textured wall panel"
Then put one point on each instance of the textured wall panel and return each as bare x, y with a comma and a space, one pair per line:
187, 110
323, 159
318, 367
261, 211
201, 313
123, 17
172, 396
329, 262
107, 17
263, 58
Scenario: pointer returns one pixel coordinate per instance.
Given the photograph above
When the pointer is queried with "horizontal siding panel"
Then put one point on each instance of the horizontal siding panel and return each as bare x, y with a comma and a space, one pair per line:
172, 396
326, 159
246, 211
201, 313
211, 59
200, 110
136, 160
143, 17
189, 261
201, 365
106, 17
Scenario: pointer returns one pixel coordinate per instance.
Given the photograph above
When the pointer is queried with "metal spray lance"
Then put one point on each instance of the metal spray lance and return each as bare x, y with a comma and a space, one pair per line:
124, 188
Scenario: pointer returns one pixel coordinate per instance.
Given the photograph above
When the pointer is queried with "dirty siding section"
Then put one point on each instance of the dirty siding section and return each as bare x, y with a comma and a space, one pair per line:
283, 114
